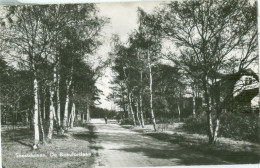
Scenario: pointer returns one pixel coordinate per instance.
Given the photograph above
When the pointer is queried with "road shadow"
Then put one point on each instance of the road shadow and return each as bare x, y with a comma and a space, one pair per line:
180, 156
18, 135
60, 136
238, 157
24, 143
90, 136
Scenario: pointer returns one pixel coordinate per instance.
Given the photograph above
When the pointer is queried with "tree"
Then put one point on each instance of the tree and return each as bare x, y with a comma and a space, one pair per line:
85, 93
170, 86
135, 41
208, 34
82, 38
151, 42
42, 38
26, 36
126, 74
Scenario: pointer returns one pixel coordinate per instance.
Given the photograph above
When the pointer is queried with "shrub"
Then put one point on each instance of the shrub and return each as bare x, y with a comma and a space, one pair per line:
236, 125
196, 125
240, 126
126, 121
77, 123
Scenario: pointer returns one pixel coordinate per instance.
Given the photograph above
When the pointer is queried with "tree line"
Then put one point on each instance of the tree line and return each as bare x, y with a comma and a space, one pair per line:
198, 49
49, 82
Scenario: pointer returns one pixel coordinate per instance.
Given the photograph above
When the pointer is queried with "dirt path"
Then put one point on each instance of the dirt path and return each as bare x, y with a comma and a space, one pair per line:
120, 147
111, 145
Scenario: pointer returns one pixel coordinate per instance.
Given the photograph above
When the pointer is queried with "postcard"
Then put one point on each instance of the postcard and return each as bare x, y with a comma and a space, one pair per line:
129, 84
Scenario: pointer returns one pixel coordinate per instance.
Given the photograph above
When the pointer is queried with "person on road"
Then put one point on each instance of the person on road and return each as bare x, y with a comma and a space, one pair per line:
106, 119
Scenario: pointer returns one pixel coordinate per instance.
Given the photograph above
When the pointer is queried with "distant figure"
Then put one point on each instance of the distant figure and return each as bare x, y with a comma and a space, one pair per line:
106, 119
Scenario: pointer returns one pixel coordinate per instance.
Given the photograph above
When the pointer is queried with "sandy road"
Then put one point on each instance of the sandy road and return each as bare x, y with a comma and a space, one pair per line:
119, 147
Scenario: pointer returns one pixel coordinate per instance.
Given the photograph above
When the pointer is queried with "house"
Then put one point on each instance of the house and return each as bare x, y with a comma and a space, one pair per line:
246, 94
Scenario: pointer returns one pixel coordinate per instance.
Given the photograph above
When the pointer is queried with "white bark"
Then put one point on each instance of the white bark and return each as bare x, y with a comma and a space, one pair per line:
51, 114
138, 114
151, 93
141, 101
82, 119
41, 123
131, 109
216, 129
179, 112
44, 109
52, 109
54, 115
72, 115
128, 104
194, 105
26, 117
88, 114
70, 118
65, 119
58, 99
208, 111
35, 114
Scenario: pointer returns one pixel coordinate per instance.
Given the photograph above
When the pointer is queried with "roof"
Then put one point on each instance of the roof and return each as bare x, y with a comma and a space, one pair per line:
247, 95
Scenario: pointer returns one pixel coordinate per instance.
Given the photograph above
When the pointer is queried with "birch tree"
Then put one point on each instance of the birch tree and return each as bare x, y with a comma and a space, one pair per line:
149, 28
26, 36
125, 72
208, 34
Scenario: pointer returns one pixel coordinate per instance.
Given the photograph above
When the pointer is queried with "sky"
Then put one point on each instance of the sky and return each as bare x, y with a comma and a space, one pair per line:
64, 1
123, 20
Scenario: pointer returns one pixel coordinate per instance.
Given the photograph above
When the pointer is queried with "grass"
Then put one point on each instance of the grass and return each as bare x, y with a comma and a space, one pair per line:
19, 142
239, 152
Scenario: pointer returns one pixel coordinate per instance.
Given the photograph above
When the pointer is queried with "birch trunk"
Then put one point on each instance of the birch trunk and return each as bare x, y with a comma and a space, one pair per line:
66, 111
141, 100
209, 116
82, 119
44, 108
58, 99
88, 113
26, 117
179, 112
131, 109
51, 115
194, 105
35, 114
128, 101
41, 123
31, 119
128, 104
151, 93
218, 109
138, 114
123, 99
54, 115
216, 129
72, 115
52, 108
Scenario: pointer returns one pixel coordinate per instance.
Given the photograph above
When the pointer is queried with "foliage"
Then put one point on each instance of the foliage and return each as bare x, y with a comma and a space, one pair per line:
239, 125
196, 125
126, 121
48, 45
236, 125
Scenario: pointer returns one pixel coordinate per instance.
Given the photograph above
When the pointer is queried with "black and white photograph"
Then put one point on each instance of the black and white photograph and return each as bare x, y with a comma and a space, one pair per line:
129, 84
